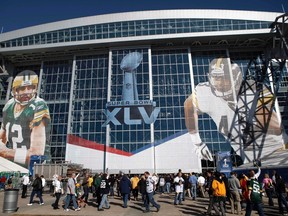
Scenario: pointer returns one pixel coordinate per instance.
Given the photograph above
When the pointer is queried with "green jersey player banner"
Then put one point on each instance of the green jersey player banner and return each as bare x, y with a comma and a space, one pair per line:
26, 122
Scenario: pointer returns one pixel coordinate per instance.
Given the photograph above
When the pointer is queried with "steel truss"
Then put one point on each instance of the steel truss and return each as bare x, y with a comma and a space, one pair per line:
261, 82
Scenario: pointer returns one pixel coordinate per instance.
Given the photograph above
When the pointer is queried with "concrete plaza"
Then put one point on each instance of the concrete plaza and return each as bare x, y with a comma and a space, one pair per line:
189, 207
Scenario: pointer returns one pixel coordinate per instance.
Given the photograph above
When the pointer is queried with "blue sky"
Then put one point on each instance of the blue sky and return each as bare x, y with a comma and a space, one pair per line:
16, 14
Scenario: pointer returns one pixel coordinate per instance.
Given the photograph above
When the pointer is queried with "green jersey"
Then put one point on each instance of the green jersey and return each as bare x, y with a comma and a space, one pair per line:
256, 191
18, 127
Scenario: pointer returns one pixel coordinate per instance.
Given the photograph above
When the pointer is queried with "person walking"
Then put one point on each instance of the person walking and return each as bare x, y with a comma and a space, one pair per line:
37, 189
267, 185
25, 183
168, 183
71, 191
179, 188
104, 191
125, 189
208, 188
254, 195
111, 180
219, 194
193, 182
134, 182
281, 194
96, 182
85, 185
142, 187
43, 183
201, 182
58, 191
234, 186
150, 188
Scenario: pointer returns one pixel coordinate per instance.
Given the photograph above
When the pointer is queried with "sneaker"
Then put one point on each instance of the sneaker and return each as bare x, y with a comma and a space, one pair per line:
66, 210
41, 204
158, 209
78, 209
29, 204
101, 209
146, 211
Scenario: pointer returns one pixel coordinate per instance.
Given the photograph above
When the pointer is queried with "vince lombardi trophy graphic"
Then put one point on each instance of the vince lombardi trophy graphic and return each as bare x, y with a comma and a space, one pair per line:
130, 110
129, 64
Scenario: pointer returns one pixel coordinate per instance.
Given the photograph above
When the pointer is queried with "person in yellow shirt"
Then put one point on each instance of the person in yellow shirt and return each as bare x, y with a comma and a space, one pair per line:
219, 194
90, 182
134, 182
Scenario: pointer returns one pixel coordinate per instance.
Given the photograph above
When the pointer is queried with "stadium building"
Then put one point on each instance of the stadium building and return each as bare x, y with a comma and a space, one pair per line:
116, 86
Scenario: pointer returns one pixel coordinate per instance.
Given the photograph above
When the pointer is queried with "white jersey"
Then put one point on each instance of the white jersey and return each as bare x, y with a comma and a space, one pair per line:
179, 184
150, 184
223, 115
201, 180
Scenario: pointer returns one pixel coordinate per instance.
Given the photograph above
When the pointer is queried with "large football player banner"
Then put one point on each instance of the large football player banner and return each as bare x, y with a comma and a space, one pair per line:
218, 99
26, 122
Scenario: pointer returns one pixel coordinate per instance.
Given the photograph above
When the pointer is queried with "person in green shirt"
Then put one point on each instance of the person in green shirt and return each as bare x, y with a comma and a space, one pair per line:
254, 195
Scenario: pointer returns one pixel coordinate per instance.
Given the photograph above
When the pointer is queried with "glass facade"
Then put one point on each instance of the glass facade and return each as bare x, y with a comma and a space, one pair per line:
89, 98
134, 29
55, 90
171, 87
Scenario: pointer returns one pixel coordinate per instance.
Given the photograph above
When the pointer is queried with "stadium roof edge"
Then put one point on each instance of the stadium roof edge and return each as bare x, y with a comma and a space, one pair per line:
141, 15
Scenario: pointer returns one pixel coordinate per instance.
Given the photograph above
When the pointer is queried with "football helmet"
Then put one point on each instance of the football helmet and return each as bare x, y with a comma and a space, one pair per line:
220, 79
26, 78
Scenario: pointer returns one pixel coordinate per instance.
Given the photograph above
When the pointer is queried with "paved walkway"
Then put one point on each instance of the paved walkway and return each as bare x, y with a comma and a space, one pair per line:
189, 207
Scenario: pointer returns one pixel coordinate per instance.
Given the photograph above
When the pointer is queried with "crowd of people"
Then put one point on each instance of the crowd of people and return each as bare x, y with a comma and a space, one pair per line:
236, 194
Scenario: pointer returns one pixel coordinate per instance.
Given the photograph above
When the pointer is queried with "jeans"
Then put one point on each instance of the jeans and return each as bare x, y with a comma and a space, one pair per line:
149, 199
86, 194
178, 198
194, 191
269, 193
125, 199
112, 191
162, 189
67, 201
221, 202
258, 207
57, 195
282, 201
168, 185
104, 200
39, 194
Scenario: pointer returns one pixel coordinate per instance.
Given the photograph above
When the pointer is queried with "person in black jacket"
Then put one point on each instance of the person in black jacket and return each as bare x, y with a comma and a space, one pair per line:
104, 191
281, 193
125, 189
37, 189
142, 187
208, 188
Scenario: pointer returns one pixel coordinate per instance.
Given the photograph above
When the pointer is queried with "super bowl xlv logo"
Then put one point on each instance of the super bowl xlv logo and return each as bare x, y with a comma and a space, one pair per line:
130, 110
